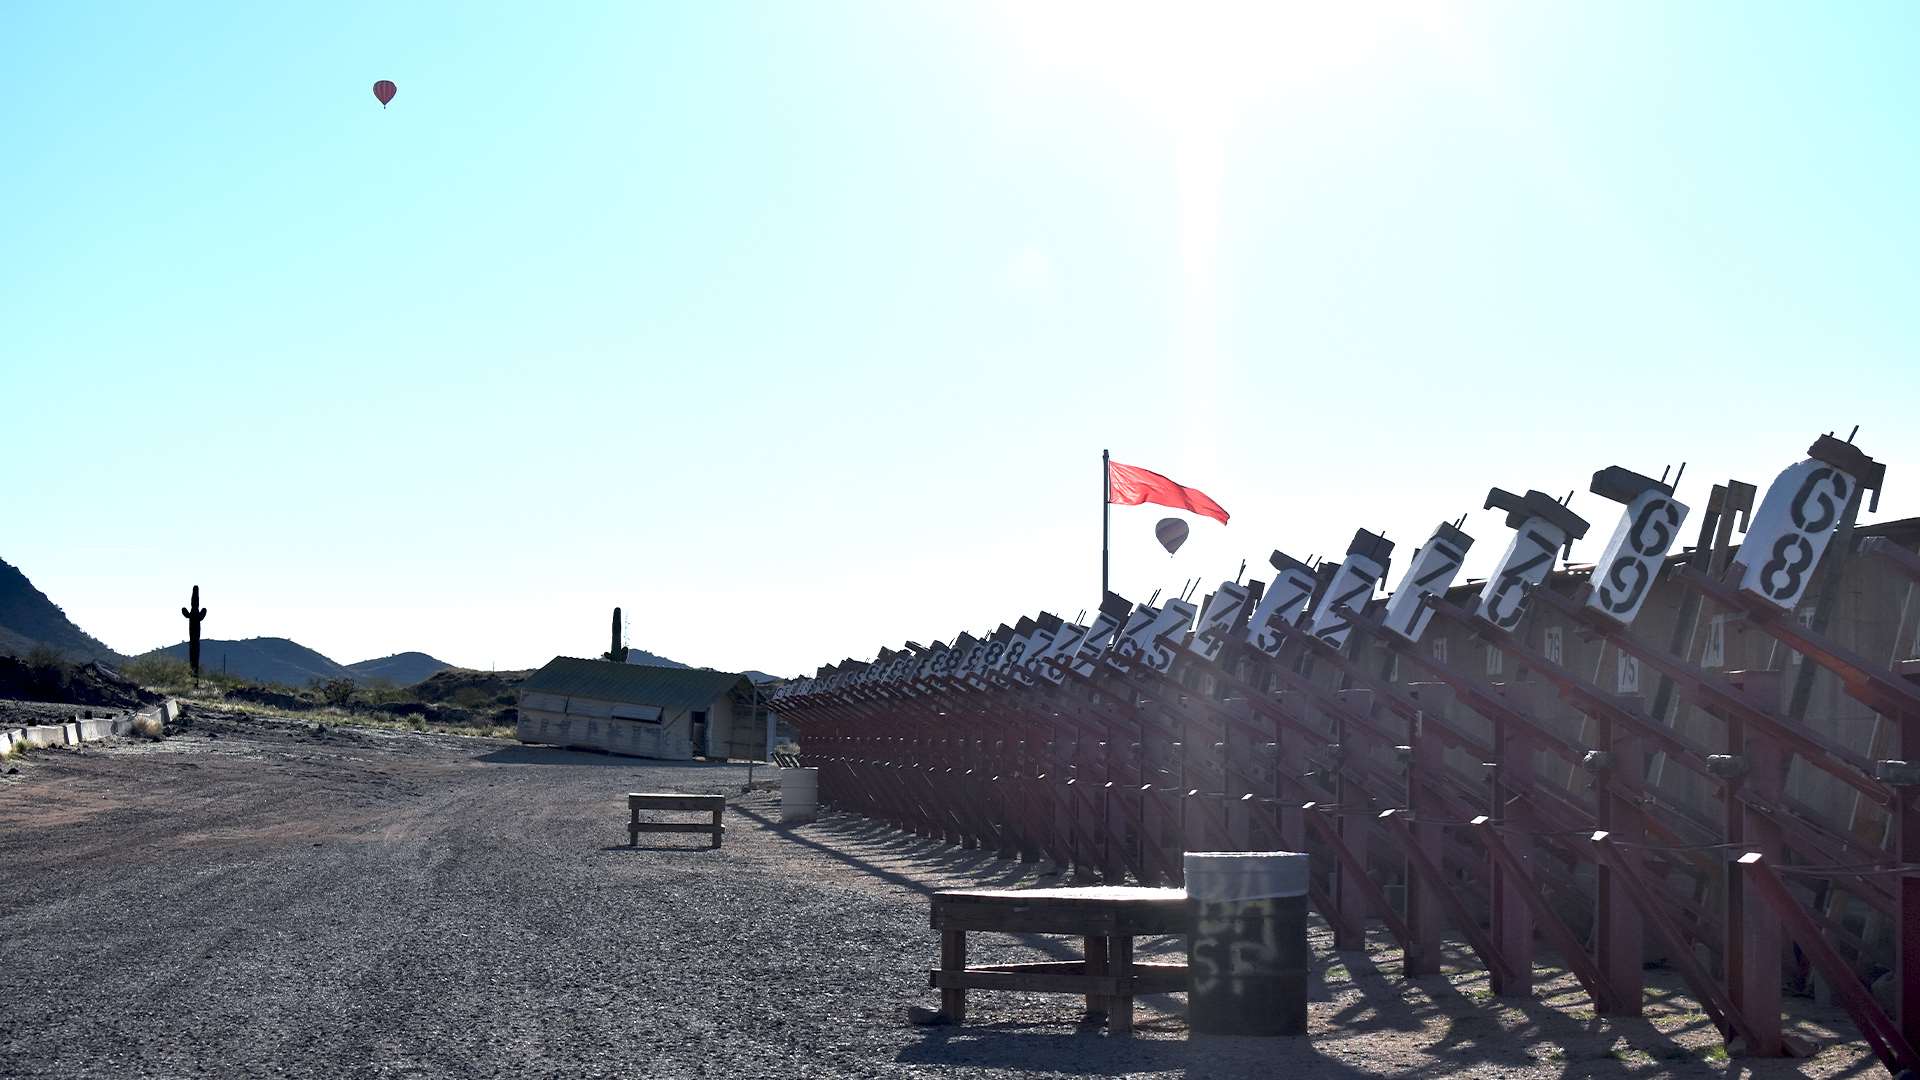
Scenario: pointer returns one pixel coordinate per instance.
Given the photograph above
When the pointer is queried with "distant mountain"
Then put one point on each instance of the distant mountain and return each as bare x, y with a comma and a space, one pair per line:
262, 659
29, 619
400, 669
647, 659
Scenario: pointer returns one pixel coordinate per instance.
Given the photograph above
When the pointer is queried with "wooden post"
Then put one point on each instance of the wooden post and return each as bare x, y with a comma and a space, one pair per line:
1753, 935
1350, 796
1906, 948
1120, 961
953, 957
1512, 916
1097, 1004
1425, 768
1619, 935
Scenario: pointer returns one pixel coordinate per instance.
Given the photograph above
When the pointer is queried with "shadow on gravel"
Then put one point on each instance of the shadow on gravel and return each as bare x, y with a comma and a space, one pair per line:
979, 869
1088, 1051
549, 755
985, 868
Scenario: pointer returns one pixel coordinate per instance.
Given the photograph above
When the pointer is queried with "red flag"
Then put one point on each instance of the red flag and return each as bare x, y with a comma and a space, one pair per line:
1130, 485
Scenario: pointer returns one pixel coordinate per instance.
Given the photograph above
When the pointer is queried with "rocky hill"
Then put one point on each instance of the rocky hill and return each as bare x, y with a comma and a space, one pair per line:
29, 620
647, 659
262, 660
400, 669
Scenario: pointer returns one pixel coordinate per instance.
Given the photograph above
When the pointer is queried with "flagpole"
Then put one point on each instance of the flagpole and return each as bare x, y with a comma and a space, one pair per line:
1106, 512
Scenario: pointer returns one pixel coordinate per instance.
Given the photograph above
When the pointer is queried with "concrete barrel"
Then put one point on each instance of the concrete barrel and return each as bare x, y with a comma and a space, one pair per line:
1247, 950
799, 795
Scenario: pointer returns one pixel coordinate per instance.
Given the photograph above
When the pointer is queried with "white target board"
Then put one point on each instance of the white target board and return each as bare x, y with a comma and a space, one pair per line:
1623, 577
1283, 605
1791, 529
1216, 622
1051, 662
1021, 651
1352, 587
942, 663
1167, 635
1431, 573
992, 654
1090, 647
1133, 638
1529, 559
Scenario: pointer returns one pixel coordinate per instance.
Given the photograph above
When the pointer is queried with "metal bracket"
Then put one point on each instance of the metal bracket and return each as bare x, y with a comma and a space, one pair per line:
1897, 773
1728, 766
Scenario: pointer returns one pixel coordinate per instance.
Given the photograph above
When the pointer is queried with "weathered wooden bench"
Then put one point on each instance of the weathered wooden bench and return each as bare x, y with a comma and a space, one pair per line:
1107, 918
638, 801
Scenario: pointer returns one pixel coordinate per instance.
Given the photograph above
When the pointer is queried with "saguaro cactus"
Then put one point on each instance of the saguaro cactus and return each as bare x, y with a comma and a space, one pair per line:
617, 654
194, 613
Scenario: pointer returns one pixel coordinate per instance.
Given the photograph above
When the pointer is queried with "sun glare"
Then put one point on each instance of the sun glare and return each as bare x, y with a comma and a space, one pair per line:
1188, 63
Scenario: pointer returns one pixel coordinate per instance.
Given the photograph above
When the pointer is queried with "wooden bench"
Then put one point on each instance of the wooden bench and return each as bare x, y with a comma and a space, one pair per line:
1107, 918
638, 801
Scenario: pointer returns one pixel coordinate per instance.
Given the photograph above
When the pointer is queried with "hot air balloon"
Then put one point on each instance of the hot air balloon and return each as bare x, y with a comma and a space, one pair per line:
384, 90
1172, 532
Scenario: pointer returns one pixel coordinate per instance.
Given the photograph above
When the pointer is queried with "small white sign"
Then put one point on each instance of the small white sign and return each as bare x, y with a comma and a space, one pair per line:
1627, 670
1553, 643
1713, 651
1496, 660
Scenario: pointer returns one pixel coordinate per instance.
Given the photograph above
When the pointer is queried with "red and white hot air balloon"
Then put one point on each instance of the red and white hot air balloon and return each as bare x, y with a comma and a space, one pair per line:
384, 90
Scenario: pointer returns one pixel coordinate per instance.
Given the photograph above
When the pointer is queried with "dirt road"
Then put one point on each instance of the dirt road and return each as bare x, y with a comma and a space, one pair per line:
256, 899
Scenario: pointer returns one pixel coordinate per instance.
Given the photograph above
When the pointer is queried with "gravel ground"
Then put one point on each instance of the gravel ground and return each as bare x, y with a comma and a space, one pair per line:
255, 898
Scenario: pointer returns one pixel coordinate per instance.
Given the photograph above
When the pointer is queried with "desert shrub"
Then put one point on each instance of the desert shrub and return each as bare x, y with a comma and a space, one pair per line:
44, 656
471, 697
337, 692
148, 725
157, 670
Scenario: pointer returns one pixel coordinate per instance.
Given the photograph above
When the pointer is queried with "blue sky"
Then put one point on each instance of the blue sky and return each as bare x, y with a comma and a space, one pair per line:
797, 329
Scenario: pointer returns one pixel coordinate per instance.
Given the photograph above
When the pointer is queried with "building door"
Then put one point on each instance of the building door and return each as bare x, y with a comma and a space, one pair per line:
700, 732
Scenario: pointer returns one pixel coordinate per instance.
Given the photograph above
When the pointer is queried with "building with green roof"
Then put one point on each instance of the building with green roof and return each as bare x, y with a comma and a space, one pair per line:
676, 714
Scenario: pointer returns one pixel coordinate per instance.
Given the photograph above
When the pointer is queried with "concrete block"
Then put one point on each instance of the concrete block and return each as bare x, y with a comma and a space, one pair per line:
41, 735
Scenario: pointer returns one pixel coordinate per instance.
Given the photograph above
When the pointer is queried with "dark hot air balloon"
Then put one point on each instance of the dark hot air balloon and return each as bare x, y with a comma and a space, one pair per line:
384, 90
1172, 532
